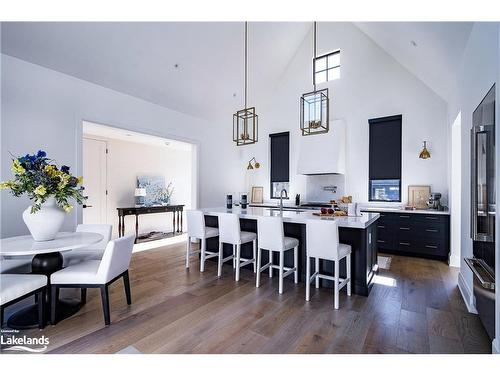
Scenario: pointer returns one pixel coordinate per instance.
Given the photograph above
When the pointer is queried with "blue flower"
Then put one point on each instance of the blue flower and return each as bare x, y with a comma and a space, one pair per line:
65, 169
41, 154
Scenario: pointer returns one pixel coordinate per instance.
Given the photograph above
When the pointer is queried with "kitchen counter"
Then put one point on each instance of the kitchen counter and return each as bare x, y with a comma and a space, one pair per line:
402, 210
359, 232
297, 216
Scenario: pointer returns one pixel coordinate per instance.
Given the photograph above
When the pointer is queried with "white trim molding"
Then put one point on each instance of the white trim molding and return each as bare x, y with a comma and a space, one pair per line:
454, 261
466, 294
495, 346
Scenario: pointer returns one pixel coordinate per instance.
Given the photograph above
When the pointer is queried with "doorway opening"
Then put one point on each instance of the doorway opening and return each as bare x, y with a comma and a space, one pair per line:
149, 180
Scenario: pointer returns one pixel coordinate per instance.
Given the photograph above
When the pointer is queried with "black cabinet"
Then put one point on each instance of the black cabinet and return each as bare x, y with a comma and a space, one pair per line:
415, 234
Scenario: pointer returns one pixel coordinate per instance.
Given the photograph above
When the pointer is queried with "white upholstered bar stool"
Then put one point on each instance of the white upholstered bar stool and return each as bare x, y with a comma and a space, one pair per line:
323, 243
93, 252
272, 238
231, 233
196, 229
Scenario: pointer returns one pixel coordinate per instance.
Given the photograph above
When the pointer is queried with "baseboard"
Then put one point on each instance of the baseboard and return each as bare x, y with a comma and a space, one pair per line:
495, 346
466, 294
454, 261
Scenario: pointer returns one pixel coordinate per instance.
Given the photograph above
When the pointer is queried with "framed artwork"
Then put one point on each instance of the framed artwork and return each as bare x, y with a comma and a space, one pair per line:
418, 195
257, 194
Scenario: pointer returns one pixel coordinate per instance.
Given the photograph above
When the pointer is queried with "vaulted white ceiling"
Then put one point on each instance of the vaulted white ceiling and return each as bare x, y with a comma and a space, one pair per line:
430, 50
139, 58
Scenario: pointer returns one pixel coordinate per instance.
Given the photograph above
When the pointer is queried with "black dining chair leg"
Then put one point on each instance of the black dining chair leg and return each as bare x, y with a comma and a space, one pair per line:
105, 303
126, 283
53, 298
83, 296
41, 316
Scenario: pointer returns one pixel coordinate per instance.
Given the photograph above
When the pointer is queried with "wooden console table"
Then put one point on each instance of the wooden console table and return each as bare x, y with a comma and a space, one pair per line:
124, 211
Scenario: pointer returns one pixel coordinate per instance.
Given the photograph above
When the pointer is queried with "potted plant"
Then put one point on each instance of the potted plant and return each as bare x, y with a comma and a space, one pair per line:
51, 189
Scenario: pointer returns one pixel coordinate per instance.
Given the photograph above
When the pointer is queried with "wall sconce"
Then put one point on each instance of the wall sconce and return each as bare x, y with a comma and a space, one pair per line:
255, 165
424, 154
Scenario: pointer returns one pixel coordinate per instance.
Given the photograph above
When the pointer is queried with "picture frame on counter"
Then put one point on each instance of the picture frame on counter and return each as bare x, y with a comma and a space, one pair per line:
257, 194
418, 196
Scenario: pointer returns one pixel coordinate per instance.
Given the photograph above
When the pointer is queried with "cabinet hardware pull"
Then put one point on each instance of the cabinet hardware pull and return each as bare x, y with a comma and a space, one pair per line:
381, 226
431, 246
405, 243
404, 228
431, 218
431, 230
404, 216
381, 241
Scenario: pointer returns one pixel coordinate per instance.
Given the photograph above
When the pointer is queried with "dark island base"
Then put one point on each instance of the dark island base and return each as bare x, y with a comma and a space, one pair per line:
363, 257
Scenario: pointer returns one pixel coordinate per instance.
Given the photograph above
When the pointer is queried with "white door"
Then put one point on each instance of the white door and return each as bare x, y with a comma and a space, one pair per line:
94, 180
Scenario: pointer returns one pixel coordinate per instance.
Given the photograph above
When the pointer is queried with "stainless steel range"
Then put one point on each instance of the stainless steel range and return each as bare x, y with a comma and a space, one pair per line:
483, 210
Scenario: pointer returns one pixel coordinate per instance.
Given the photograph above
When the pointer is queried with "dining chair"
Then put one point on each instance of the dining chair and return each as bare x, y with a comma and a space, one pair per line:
15, 287
97, 274
93, 252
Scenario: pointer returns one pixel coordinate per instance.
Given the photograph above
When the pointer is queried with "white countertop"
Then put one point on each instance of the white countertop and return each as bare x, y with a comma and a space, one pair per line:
299, 217
402, 210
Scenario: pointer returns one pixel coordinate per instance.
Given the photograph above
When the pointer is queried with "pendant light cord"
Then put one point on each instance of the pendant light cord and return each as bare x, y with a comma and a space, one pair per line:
246, 57
314, 55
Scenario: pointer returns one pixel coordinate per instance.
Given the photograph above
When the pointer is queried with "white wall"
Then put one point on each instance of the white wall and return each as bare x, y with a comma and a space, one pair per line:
478, 72
128, 160
372, 84
44, 109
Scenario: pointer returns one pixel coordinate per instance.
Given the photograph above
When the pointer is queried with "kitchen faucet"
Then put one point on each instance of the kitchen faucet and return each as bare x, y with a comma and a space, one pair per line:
281, 198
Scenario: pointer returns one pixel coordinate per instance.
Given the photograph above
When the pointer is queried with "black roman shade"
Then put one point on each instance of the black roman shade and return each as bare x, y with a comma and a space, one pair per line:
385, 148
280, 157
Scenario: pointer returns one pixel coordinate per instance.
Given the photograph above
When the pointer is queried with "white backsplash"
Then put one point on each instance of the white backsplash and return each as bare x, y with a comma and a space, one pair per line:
315, 187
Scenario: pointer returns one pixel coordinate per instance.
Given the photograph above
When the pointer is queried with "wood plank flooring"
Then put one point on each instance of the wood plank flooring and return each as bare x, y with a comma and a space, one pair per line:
415, 307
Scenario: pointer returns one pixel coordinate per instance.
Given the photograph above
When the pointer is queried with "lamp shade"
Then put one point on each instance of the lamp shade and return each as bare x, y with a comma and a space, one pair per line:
140, 192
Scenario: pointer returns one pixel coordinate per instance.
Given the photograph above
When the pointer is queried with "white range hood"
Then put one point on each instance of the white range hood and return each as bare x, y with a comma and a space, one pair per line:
323, 153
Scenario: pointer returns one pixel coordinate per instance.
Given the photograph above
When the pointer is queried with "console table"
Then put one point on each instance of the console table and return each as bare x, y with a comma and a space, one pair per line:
124, 211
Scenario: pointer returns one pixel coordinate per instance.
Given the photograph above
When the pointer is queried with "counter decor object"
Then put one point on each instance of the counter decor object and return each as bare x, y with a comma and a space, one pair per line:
51, 189
244, 201
418, 196
257, 194
229, 201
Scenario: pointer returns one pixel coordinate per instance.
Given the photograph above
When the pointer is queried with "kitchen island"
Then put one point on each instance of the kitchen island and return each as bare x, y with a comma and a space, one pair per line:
360, 232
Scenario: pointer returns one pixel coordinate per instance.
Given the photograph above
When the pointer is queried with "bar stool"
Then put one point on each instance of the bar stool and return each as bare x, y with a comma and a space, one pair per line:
230, 233
323, 243
196, 229
272, 238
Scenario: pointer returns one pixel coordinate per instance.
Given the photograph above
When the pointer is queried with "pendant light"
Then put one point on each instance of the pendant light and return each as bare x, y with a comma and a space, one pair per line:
245, 121
424, 154
314, 106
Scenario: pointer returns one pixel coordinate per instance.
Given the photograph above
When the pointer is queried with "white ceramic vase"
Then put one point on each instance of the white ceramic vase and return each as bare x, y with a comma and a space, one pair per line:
46, 222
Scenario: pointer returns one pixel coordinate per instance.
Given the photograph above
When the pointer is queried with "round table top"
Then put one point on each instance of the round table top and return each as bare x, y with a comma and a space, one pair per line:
64, 241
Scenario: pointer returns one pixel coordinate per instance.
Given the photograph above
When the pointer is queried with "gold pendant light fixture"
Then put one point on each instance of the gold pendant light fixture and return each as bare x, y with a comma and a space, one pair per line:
245, 121
314, 106
424, 154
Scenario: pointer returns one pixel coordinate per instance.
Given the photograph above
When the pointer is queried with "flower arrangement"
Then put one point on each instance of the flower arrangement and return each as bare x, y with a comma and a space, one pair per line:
165, 194
39, 178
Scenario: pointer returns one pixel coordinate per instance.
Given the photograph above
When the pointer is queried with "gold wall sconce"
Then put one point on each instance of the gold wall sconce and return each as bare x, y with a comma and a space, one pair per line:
255, 164
424, 154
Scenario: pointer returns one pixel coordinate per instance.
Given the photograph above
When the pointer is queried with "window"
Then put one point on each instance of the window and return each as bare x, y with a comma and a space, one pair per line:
385, 159
280, 163
327, 67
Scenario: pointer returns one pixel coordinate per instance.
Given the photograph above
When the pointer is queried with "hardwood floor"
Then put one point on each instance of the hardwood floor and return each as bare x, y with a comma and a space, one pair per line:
415, 307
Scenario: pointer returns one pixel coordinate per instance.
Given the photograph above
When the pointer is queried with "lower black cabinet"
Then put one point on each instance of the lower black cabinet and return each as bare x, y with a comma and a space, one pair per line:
415, 234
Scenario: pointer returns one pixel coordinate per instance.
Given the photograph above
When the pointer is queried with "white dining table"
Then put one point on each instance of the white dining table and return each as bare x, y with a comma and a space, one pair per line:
47, 259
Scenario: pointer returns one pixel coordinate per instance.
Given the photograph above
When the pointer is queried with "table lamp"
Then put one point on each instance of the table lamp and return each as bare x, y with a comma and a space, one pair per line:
139, 194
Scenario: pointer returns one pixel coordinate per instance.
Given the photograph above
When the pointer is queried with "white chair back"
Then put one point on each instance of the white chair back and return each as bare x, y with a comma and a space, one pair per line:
322, 239
195, 223
103, 229
116, 258
229, 228
270, 233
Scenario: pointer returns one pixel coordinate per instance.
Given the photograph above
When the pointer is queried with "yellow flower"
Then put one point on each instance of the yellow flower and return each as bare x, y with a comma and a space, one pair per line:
40, 190
64, 179
7, 184
80, 180
51, 170
17, 168
67, 207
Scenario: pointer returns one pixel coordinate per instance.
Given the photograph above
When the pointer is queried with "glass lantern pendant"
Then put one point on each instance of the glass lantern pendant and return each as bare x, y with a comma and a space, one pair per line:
245, 121
314, 106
